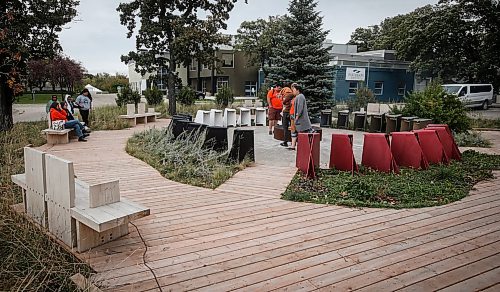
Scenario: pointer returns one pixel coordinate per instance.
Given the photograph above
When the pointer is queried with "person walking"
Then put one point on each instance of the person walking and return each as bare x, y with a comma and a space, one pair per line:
275, 105
84, 103
287, 96
302, 123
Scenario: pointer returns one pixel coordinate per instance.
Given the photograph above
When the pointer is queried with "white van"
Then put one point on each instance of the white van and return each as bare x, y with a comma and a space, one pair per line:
472, 95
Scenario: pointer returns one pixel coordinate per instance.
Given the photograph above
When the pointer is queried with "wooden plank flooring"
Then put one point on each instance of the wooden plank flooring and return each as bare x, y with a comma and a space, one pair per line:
241, 236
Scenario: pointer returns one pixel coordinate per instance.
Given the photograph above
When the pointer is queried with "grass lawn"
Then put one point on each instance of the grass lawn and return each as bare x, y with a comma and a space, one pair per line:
439, 185
39, 98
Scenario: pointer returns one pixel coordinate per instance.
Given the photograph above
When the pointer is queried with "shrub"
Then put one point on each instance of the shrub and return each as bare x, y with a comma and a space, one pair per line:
108, 118
436, 104
471, 139
154, 96
127, 96
363, 97
187, 96
224, 96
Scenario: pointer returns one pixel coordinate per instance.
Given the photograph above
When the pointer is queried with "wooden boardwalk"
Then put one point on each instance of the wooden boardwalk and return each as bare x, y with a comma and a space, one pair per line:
241, 236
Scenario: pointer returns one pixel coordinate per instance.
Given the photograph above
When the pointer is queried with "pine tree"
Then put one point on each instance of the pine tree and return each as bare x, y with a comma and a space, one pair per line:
303, 58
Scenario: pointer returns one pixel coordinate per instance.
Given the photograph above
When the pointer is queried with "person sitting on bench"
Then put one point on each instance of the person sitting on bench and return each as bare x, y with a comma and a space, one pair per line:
59, 114
70, 117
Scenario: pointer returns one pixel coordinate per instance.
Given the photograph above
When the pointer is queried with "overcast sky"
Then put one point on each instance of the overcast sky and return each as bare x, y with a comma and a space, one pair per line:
97, 39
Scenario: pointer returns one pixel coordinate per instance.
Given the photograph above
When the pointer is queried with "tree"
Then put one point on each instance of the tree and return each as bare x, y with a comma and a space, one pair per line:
37, 74
172, 33
28, 30
301, 56
365, 38
258, 39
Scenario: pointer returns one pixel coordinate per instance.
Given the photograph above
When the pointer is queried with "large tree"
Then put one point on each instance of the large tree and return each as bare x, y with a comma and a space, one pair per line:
28, 29
302, 57
258, 39
172, 33
365, 38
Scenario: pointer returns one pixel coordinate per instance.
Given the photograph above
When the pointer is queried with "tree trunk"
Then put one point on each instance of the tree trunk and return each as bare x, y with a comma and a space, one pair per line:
6, 97
172, 106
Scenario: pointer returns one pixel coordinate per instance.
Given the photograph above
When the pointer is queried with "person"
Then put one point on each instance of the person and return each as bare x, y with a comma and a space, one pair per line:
275, 107
69, 102
84, 103
301, 121
59, 114
51, 101
287, 96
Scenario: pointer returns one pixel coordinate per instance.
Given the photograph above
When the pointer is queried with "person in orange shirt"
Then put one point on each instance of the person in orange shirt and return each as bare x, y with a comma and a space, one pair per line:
59, 114
275, 105
286, 96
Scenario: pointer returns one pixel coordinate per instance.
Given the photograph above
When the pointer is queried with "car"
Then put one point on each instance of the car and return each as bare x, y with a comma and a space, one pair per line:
472, 95
200, 95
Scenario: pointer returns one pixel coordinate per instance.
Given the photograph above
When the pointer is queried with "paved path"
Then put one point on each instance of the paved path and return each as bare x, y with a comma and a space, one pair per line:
241, 236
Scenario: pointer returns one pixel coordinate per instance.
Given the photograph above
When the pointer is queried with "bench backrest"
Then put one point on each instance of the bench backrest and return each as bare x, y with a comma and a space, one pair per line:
104, 194
384, 108
141, 108
34, 165
130, 109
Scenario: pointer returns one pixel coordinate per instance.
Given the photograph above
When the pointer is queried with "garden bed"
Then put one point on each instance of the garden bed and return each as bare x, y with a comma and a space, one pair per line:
440, 185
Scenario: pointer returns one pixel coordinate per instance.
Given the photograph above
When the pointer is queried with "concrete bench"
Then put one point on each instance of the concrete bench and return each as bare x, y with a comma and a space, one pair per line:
141, 117
81, 215
216, 118
202, 117
229, 117
245, 118
261, 116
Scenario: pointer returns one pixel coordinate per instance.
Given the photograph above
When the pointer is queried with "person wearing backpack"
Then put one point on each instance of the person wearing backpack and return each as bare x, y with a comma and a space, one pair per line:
275, 105
287, 96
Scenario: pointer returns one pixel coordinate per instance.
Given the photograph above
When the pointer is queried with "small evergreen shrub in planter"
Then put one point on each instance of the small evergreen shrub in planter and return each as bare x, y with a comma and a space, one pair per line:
154, 96
127, 96
187, 96
363, 97
224, 96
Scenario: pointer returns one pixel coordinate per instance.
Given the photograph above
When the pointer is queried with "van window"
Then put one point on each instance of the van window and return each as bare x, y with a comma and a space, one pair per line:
452, 89
463, 92
480, 88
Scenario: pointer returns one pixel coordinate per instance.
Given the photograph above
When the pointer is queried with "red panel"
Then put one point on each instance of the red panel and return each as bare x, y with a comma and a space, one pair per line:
308, 153
432, 147
446, 137
377, 153
407, 152
341, 154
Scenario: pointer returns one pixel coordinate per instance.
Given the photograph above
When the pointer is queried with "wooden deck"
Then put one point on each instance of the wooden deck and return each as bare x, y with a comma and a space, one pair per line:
243, 237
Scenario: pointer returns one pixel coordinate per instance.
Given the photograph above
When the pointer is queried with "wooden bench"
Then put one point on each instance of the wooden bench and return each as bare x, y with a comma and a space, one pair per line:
81, 215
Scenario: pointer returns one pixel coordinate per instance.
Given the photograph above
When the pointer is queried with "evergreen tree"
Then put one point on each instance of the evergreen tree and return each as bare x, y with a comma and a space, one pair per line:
302, 57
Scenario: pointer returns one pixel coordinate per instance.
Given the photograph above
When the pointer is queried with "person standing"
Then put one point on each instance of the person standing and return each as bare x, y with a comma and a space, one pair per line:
287, 96
84, 103
302, 123
275, 105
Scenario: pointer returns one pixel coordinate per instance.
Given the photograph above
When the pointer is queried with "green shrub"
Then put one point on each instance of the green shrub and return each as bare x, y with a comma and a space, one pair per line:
154, 96
471, 139
436, 104
187, 96
224, 96
126, 96
363, 97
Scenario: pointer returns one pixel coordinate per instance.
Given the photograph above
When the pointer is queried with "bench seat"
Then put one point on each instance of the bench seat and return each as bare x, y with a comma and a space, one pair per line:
55, 137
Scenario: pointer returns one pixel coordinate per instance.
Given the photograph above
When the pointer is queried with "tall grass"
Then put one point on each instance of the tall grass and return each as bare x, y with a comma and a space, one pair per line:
29, 260
185, 159
108, 118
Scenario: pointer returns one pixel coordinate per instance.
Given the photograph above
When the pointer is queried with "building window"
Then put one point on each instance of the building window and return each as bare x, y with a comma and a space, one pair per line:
402, 89
222, 82
205, 67
353, 87
250, 88
227, 60
204, 85
193, 66
379, 88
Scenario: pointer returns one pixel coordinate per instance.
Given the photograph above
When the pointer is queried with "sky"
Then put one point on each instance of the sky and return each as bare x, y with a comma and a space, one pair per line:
97, 39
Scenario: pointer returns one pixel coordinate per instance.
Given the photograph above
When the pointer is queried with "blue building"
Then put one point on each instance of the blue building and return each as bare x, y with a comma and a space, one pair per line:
388, 78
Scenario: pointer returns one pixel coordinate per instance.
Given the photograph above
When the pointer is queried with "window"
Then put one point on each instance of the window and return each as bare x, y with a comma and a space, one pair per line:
379, 88
205, 67
353, 87
227, 60
480, 88
204, 85
222, 82
401, 89
193, 66
463, 92
250, 88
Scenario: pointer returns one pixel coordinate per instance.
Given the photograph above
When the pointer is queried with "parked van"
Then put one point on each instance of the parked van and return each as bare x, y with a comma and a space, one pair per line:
472, 95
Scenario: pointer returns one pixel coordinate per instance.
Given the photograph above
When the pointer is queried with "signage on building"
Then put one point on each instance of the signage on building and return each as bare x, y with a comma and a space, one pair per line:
355, 74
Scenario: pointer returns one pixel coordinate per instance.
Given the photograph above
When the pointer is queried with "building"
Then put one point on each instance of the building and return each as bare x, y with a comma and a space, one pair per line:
389, 79
140, 82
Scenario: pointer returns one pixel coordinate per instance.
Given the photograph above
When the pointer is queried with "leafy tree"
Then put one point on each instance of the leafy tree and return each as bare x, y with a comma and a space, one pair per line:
172, 33
154, 96
37, 74
365, 38
106, 81
301, 56
258, 39
28, 30
224, 96
126, 96
187, 95
364, 96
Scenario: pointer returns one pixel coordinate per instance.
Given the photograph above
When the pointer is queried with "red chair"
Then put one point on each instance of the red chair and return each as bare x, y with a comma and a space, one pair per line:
432, 147
341, 154
308, 153
446, 137
407, 151
377, 153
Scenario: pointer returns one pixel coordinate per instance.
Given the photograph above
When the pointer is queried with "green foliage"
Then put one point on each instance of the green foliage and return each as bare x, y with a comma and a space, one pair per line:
480, 123
224, 96
301, 56
365, 38
364, 95
30, 260
187, 95
184, 160
108, 118
127, 95
439, 185
434, 103
471, 139
154, 96
106, 82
